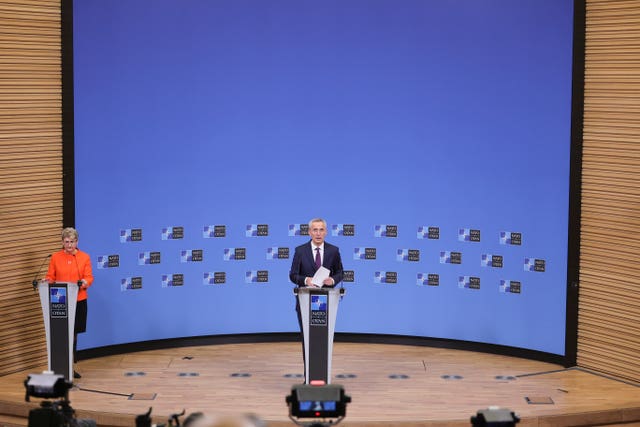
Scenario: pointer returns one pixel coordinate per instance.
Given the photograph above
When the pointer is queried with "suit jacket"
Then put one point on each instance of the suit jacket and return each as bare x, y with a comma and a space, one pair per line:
304, 265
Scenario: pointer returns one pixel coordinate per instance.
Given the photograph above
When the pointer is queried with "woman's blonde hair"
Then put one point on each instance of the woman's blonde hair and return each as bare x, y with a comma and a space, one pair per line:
70, 232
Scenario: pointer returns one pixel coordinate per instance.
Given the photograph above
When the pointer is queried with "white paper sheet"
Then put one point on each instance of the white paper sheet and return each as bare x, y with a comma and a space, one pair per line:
320, 275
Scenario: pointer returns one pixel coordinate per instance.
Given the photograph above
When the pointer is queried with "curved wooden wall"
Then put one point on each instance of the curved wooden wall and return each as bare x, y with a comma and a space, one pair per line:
609, 298
30, 171
31, 181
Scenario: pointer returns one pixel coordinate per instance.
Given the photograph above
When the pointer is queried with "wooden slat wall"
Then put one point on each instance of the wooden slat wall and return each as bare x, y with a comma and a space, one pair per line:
30, 171
609, 304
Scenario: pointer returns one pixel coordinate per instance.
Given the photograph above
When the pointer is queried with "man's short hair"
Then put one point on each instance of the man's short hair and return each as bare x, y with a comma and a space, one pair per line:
324, 223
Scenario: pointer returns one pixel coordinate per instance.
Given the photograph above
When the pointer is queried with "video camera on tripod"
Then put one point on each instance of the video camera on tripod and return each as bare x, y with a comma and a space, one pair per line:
58, 413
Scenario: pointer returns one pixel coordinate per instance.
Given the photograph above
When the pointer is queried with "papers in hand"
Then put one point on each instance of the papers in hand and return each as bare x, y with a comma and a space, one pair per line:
320, 275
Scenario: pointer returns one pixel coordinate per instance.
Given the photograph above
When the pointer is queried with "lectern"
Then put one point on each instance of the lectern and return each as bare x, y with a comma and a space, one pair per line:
318, 307
58, 302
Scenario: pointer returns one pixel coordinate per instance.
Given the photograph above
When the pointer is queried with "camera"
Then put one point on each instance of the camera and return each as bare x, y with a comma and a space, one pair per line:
494, 416
58, 413
317, 402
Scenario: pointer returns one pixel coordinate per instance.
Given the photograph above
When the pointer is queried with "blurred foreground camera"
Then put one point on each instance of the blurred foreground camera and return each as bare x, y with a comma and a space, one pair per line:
495, 417
57, 413
317, 402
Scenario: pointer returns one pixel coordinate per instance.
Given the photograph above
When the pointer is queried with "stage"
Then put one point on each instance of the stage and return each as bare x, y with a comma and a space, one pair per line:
390, 385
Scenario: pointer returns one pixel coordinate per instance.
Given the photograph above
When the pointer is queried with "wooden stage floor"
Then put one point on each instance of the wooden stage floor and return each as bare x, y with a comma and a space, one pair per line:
390, 385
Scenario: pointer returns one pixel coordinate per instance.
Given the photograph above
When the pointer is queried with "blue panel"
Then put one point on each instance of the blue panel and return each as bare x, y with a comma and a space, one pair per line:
369, 113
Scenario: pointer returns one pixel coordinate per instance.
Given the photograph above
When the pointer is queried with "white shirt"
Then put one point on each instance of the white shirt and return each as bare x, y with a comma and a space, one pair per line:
313, 250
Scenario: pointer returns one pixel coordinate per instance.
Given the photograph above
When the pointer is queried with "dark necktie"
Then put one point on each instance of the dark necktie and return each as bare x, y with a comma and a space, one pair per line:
318, 260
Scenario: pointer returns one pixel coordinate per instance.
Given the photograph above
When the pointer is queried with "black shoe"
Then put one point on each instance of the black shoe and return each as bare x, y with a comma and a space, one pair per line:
76, 374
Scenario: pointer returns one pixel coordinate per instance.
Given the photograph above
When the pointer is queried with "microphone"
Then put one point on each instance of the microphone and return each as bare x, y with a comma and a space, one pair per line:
35, 281
79, 283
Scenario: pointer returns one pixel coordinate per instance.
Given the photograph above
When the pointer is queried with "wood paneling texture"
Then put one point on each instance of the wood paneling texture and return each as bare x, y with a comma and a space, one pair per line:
609, 304
30, 171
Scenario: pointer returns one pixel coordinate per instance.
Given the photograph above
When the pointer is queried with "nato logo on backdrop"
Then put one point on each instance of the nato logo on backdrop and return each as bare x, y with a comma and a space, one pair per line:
257, 230
191, 255
348, 276
130, 235
384, 230
275, 252
510, 238
214, 278
450, 257
171, 280
108, 261
145, 258
468, 235
428, 279
172, 233
364, 253
385, 277
234, 254
298, 229
408, 255
427, 232
212, 231
468, 282
348, 230
256, 276
490, 260
510, 286
534, 264
131, 283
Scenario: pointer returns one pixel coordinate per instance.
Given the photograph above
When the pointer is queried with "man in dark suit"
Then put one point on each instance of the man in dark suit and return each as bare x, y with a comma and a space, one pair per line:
308, 258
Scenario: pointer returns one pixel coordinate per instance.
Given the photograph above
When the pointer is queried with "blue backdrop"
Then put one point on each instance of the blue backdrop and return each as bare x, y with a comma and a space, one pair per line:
453, 115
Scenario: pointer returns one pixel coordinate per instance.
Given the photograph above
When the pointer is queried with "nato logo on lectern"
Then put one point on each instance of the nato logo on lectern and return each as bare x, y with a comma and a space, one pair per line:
318, 305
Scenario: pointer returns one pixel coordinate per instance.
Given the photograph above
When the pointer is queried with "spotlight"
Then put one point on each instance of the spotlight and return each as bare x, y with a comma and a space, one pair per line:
317, 402
494, 416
